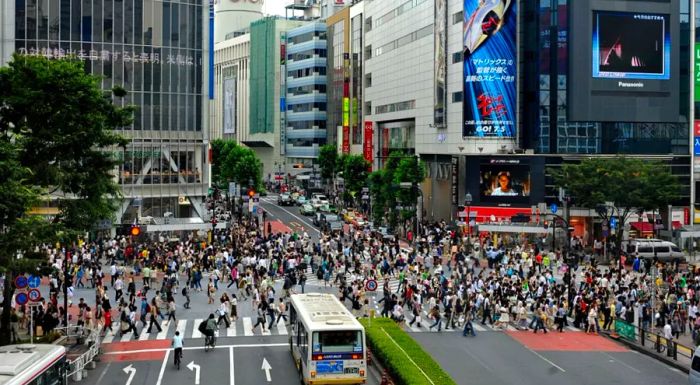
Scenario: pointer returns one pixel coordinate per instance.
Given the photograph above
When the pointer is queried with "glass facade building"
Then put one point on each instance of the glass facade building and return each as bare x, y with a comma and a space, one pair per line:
545, 63
306, 94
154, 49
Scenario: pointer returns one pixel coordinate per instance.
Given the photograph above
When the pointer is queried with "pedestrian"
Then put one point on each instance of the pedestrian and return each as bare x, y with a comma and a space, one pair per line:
171, 310
234, 307
468, 327
435, 315
186, 294
154, 316
261, 318
540, 319
281, 311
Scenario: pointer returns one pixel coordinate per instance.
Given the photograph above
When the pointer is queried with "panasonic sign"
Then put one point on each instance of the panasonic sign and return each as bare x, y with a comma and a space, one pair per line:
630, 85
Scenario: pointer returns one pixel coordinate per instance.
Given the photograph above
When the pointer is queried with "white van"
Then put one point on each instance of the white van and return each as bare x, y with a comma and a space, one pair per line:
650, 248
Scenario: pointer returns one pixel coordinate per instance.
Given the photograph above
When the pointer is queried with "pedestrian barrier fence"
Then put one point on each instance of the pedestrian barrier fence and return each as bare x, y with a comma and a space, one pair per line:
656, 341
83, 336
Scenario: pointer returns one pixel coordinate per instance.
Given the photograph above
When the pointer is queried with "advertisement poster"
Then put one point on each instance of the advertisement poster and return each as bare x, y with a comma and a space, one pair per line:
440, 62
490, 68
504, 181
367, 146
229, 106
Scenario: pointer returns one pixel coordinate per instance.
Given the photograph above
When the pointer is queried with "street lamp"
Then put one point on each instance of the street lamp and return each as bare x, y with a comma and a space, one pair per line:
468, 202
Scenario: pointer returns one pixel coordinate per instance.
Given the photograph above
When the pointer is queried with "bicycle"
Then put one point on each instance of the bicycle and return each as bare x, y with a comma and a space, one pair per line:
209, 342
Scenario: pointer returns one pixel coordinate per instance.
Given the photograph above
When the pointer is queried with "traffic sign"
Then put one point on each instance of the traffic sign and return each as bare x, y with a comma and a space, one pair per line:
21, 282
21, 298
34, 295
34, 281
371, 285
613, 223
554, 208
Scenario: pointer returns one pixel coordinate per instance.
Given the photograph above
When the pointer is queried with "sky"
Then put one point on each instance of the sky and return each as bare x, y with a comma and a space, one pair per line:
275, 7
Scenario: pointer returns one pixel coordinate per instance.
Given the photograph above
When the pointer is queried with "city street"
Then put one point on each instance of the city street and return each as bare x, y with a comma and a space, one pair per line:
526, 358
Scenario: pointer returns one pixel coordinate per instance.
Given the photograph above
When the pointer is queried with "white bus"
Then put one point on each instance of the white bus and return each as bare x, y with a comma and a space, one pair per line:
41, 364
327, 342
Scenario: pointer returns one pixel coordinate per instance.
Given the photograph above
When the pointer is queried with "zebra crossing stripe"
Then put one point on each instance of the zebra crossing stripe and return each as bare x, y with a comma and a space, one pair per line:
281, 328
266, 332
181, 326
127, 337
164, 330
415, 328
572, 329
478, 327
231, 330
195, 329
144, 334
247, 326
511, 328
109, 336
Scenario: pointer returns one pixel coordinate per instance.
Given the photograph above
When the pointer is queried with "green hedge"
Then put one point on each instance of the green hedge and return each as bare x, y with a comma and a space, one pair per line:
394, 358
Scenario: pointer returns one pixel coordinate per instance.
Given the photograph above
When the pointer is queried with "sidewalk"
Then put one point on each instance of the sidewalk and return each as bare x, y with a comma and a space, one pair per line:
681, 360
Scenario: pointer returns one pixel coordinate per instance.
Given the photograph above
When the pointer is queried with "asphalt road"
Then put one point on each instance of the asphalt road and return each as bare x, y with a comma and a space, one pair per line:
497, 358
290, 216
235, 361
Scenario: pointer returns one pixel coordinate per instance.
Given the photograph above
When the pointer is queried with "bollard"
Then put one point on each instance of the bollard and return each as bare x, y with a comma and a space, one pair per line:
85, 373
78, 376
92, 365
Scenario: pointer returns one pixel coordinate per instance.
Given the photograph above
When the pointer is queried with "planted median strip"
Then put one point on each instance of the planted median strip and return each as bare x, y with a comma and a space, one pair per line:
403, 357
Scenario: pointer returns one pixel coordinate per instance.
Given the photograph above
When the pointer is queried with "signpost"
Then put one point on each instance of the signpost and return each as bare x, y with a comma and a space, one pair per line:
371, 285
34, 281
34, 295
21, 282
21, 298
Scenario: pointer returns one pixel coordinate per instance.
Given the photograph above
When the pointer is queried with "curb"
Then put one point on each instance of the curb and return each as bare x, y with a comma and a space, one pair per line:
651, 354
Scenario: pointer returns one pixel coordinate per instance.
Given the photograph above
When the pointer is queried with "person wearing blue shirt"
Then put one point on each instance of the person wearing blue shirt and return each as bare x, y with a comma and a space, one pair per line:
177, 345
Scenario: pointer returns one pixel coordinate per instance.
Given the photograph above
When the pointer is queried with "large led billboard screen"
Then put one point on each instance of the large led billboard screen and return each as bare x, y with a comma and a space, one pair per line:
490, 68
627, 61
631, 45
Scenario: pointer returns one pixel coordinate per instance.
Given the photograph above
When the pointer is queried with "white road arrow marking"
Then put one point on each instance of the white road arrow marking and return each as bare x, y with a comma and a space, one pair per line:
195, 368
266, 367
131, 371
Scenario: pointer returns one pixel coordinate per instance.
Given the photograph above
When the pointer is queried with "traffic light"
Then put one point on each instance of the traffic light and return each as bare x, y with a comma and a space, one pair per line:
135, 230
251, 193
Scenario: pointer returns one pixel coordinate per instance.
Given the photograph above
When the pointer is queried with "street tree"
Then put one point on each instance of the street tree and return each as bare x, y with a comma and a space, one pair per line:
630, 184
409, 170
327, 159
235, 163
355, 172
58, 134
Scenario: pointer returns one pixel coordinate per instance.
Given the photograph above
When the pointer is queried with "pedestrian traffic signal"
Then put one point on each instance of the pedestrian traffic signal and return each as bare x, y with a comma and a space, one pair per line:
135, 230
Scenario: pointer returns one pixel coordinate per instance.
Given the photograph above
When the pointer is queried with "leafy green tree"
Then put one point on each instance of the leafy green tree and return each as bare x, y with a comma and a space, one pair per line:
631, 184
57, 136
355, 173
409, 170
235, 163
378, 199
327, 159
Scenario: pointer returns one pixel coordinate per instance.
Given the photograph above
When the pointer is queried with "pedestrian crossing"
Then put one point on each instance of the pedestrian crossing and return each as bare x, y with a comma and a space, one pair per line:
424, 327
189, 329
312, 280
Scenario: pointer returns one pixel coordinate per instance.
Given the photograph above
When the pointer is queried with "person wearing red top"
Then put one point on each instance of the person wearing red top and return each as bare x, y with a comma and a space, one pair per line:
108, 322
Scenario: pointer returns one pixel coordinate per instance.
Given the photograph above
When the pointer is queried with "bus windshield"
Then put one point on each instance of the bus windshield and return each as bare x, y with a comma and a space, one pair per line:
337, 341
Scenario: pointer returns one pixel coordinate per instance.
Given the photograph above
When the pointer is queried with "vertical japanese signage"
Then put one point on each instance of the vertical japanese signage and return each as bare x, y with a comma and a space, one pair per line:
283, 93
346, 103
697, 72
211, 49
440, 62
490, 68
696, 141
368, 141
455, 179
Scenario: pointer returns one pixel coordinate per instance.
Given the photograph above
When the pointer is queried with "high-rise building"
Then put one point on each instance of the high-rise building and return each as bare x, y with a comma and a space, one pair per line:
305, 99
155, 50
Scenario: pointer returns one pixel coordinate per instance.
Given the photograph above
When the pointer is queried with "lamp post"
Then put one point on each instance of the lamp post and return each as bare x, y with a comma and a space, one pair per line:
468, 202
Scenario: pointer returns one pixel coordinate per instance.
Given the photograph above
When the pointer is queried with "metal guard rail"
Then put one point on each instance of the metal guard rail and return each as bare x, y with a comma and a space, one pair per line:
660, 344
86, 336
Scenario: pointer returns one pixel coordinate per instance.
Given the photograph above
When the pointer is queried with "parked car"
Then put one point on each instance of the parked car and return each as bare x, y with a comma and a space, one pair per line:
307, 209
284, 199
301, 200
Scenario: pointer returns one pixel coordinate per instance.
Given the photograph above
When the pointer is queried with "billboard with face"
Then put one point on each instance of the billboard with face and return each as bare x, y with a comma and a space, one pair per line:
490, 68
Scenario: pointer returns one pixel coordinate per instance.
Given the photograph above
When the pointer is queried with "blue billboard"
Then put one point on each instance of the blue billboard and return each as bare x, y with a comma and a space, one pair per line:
490, 68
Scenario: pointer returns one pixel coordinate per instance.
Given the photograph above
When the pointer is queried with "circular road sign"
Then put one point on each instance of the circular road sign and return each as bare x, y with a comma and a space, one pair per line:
21, 298
371, 285
34, 295
21, 282
34, 281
